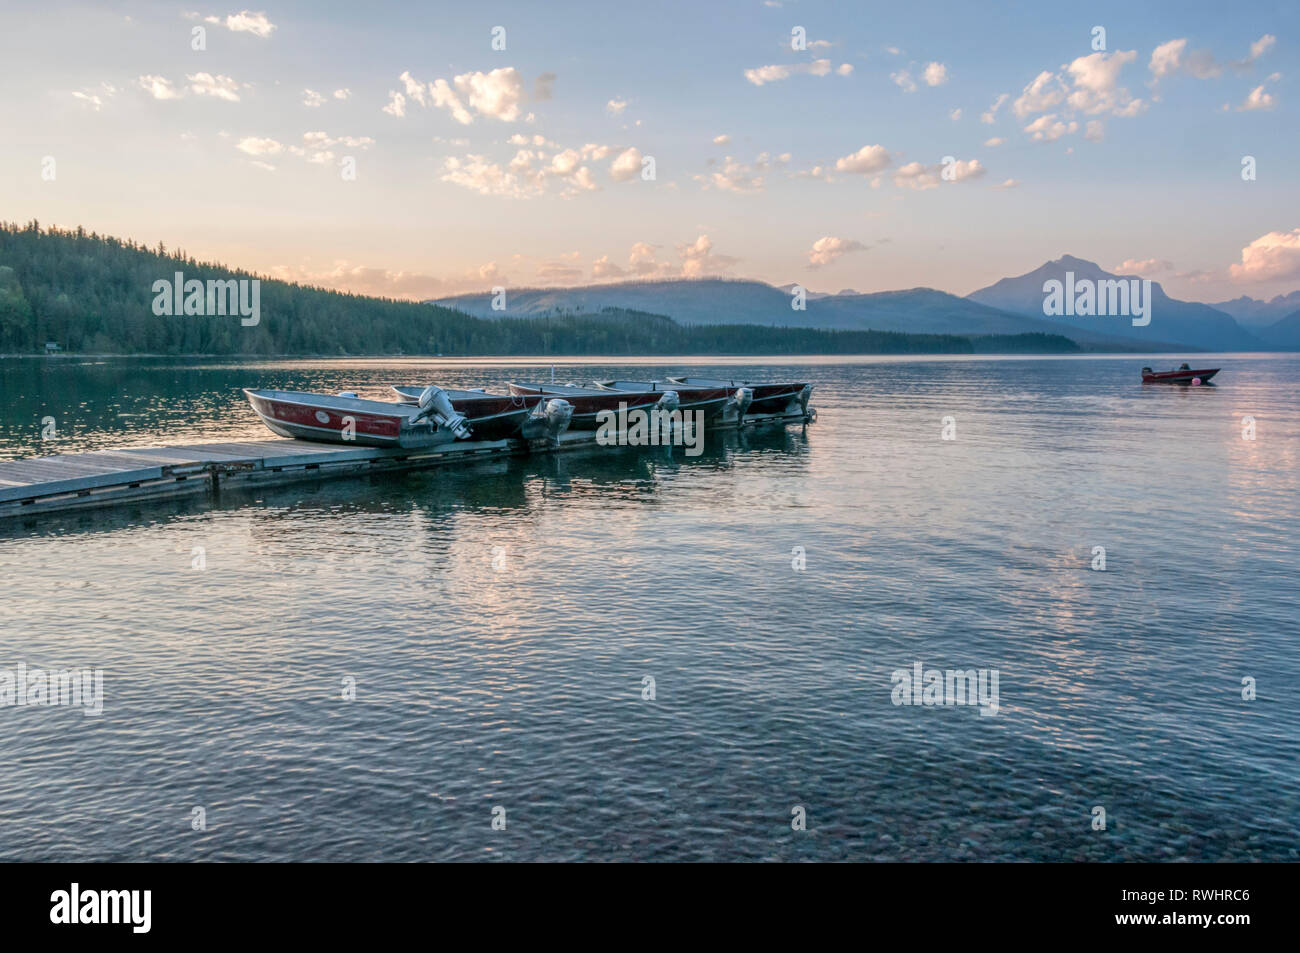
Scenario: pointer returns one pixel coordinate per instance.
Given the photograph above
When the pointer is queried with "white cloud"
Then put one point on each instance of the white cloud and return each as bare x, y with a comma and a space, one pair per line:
1144, 267
722, 140
991, 115
828, 248
220, 87
497, 95
626, 166
936, 74
1095, 130
360, 279
159, 87
1006, 185
963, 170
866, 161
955, 115
778, 72
1167, 58
396, 104
641, 260
1096, 84
994, 142
342, 93
904, 81
1269, 257
602, 267
478, 174
615, 107
246, 22
1043, 92
919, 177
312, 98
255, 146
445, 98
736, 176
1048, 128
916, 176
1172, 57
414, 88
1260, 47
532, 170
95, 96
1258, 99
698, 258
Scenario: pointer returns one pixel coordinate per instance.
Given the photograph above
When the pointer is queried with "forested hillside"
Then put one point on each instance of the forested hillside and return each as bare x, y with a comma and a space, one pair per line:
94, 294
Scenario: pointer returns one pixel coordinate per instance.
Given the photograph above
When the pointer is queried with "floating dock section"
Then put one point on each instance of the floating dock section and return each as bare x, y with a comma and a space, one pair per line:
106, 477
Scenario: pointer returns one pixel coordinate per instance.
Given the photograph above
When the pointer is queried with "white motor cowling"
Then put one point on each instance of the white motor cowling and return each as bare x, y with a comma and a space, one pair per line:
558, 415
668, 402
804, 396
741, 399
435, 405
547, 420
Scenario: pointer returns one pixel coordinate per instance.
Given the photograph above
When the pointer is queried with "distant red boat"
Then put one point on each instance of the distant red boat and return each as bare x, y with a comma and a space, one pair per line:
1184, 375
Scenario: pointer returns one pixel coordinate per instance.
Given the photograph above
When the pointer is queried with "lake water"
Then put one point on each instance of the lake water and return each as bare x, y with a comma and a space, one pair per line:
520, 686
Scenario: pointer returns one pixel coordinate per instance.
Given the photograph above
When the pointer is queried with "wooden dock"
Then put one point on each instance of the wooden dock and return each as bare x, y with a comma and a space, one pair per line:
105, 477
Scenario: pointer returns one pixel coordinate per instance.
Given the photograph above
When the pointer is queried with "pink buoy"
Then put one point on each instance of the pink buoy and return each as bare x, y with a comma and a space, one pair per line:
1196, 380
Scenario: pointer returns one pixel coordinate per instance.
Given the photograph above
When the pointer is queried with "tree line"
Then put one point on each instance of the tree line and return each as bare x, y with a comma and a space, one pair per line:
91, 293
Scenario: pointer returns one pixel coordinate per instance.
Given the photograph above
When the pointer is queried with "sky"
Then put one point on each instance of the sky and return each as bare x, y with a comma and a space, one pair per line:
426, 149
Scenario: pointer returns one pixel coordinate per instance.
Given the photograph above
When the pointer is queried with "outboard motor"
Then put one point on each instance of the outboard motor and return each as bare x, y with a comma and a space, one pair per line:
668, 402
741, 399
436, 406
347, 393
547, 420
804, 395
558, 414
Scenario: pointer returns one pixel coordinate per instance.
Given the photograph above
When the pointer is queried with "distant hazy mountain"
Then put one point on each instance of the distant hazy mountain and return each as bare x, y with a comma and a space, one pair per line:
1284, 334
1182, 322
1256, 313
723, 301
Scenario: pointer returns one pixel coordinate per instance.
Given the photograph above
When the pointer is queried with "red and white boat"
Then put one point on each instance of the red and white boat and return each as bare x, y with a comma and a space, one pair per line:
1184, 375
589, 402
346, 418
780, 398
711, 400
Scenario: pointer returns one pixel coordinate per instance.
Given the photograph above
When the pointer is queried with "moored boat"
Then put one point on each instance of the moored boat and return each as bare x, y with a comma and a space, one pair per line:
776, 398
711, 400
589, 402
1184, 375
345, 418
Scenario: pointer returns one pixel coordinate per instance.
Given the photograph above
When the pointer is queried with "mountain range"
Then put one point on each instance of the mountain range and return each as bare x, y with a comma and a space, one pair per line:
1012, 305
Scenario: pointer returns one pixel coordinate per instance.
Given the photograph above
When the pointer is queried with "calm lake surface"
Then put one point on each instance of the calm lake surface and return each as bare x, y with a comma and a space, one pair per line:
521, 687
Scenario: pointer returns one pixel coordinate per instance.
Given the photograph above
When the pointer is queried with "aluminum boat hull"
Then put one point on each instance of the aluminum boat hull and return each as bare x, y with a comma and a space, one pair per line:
588, 402
768, 398
711, 400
